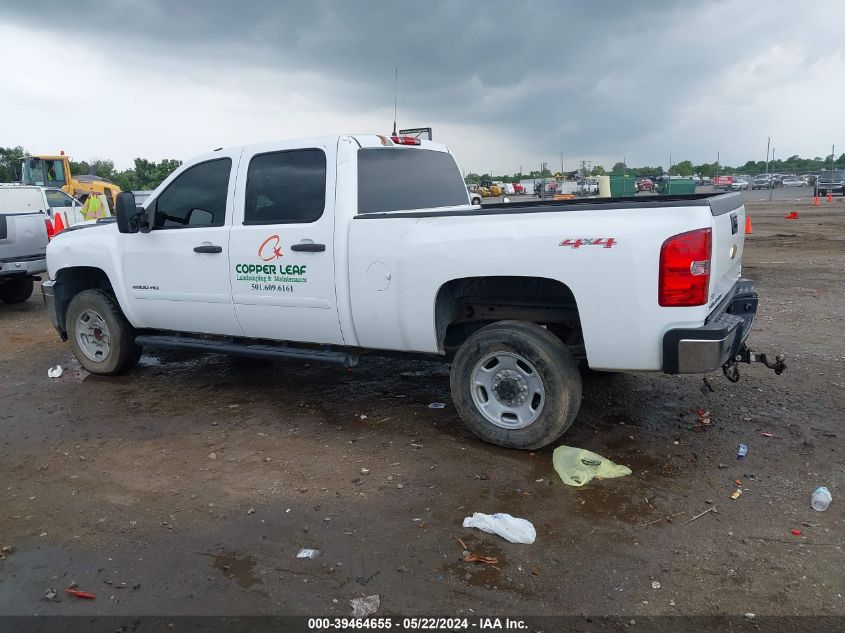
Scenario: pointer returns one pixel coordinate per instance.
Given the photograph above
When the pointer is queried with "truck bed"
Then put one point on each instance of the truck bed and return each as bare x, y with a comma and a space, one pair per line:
718, 203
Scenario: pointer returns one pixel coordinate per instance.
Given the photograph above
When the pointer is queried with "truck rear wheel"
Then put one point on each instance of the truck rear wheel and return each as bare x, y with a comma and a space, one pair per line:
16, 290
102, 340
516, 385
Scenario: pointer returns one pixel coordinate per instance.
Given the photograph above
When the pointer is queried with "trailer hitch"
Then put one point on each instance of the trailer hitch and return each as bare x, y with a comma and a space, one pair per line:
747, 355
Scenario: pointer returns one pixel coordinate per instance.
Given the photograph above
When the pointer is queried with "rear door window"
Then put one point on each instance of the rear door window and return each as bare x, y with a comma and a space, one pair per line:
394, 179
287, 187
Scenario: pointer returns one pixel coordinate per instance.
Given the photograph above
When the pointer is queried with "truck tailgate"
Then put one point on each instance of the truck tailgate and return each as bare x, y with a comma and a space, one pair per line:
22, 235
728, 244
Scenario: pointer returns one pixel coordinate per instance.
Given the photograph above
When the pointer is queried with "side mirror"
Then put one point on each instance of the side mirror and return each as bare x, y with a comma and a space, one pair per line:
127, 213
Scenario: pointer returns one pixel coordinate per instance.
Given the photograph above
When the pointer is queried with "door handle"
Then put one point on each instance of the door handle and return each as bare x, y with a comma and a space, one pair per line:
208, 248
308, 247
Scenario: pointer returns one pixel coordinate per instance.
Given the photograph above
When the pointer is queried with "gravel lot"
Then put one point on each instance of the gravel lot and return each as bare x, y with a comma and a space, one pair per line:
189, 485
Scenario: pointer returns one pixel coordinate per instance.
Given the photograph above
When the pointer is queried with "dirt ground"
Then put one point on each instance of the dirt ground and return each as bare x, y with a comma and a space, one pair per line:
189, 485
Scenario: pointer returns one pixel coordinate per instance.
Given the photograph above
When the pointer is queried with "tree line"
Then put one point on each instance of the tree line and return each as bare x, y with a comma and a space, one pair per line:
792, 165
144, 174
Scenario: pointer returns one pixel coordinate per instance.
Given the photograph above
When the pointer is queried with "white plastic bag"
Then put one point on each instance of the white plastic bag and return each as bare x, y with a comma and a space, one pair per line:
54, 372
511, 528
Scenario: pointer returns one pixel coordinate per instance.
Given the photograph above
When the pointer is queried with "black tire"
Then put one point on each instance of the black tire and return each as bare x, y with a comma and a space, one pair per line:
16, 290
123, 353
555, 367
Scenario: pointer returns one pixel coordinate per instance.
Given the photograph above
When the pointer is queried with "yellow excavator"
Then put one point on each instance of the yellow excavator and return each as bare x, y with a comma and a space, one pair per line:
54, 171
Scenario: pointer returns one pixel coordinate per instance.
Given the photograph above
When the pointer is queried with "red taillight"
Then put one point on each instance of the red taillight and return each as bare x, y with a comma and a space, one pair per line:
405, 140
50, 231
685, 269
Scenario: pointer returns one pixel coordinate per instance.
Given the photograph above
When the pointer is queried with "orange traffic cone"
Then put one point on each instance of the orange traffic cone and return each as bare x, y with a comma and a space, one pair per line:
748, 229
829, 197
58, 225
792, 216
816, 201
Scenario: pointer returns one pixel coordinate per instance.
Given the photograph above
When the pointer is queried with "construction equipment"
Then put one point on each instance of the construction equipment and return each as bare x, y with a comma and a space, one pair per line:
54, 171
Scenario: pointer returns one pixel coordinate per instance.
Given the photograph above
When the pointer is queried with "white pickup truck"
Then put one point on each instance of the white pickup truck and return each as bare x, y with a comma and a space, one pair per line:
330, 248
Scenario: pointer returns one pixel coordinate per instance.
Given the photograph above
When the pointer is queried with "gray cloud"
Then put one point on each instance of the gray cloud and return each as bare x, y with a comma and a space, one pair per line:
588, 78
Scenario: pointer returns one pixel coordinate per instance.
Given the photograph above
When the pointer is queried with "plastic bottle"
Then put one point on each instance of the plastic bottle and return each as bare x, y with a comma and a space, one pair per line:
742, 452
821, 499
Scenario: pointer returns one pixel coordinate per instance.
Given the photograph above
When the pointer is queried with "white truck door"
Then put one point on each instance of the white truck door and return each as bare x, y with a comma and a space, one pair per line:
282, 262
177, 275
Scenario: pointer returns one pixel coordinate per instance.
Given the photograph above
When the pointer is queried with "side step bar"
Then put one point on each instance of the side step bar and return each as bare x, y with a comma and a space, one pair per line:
246, 349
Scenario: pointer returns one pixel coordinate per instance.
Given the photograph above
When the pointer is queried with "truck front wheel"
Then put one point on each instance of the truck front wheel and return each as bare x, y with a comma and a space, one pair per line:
516, 385
102, 340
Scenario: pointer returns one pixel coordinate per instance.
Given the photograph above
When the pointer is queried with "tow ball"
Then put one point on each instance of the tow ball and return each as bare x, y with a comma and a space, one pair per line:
747, 355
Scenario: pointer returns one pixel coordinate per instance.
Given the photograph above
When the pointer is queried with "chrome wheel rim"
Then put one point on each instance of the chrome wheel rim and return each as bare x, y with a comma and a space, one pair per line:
507, 390
92, 336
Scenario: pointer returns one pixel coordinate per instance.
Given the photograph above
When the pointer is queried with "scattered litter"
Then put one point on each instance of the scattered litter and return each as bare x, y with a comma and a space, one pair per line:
767, 434
577, 466
481, 476
76, 593
655, 584
701, 514
5, 551
666, 518
365, 471
251, 511
821, 499
400, 486
742, 452
795, 532
437, 405
703, 417
736, 494
462, 544
308, 553
363, 607
55, 372
212, 456
749, 616
476, 558
52, 595
509, 528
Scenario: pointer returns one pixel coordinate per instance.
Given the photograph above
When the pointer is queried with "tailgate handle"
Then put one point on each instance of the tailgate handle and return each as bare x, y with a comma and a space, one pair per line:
734, 224
308, 247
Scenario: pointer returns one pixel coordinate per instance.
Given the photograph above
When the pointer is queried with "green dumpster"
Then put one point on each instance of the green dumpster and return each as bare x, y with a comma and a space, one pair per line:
676, 187
622, 186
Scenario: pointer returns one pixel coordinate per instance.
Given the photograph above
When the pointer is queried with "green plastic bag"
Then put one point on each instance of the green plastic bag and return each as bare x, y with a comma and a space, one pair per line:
577, 466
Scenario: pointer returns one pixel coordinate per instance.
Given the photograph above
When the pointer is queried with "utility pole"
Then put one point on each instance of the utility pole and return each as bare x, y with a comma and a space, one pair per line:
561, 164
718, 164
768, 143
772, 182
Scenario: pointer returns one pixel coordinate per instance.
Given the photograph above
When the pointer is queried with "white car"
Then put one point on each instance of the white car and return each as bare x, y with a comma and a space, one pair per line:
792, 181
474, 196
324, 248
739, 184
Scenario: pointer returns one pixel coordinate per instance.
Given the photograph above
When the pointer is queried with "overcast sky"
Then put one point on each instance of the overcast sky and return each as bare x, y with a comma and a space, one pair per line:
505, 84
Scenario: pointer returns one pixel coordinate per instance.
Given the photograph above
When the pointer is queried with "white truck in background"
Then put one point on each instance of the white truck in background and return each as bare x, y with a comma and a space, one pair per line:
331, 248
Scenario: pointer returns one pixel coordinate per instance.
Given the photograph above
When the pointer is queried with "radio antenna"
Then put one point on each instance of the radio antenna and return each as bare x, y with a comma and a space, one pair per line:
395, 93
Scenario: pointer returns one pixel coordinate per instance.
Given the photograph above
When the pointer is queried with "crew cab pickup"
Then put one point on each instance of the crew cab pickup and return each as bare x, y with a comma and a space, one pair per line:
331, 248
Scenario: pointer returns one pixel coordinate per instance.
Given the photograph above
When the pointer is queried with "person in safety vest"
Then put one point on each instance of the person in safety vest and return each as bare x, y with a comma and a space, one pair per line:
93, 208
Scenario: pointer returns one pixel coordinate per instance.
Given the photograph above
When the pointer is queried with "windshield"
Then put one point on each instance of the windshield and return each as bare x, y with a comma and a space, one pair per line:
833, 175
32, 172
